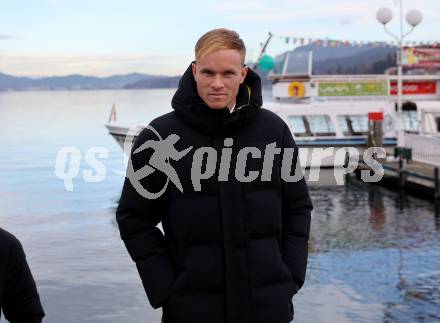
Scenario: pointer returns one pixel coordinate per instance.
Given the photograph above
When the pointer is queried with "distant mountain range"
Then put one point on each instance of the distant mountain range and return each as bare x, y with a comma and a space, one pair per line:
155, 83
326, 60
351, 60
71, 82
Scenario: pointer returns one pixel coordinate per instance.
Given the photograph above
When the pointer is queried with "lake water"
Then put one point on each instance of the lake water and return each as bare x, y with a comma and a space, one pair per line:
374, 257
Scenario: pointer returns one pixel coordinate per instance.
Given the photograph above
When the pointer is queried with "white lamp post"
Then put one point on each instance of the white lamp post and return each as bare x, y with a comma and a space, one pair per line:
413, 18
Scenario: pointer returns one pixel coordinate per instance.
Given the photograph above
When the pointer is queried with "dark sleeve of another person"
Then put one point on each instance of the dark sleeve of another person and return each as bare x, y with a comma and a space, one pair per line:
20, 301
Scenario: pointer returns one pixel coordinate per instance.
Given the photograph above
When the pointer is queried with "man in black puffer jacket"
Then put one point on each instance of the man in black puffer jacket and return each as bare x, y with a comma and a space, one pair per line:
19, 299
219, 172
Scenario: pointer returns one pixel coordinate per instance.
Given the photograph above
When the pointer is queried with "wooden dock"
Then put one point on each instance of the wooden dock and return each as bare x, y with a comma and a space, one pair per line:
415, 177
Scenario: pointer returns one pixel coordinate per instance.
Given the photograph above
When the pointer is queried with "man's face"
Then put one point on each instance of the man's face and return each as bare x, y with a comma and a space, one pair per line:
218, 76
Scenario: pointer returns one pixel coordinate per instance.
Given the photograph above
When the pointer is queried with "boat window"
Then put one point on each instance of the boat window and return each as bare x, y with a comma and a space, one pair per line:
316, 125
410, 120
298, 63
321, 125
353, 125
279, 63
297, 126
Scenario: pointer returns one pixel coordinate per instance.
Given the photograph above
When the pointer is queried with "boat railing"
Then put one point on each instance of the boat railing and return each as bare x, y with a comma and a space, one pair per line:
425, 147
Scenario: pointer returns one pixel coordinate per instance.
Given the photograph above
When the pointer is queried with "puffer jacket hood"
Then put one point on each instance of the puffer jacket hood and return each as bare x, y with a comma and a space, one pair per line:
190, 107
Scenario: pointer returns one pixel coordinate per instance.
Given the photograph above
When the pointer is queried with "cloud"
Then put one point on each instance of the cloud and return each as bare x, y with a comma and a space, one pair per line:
343, 11
346, 20
4, 36
262, 10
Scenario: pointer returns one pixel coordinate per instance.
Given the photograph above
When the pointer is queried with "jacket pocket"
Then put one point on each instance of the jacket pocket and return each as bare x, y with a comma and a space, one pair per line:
172, 288
293, 288
291, 311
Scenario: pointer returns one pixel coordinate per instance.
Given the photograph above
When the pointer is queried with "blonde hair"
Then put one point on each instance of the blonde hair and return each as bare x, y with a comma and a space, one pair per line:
217, 39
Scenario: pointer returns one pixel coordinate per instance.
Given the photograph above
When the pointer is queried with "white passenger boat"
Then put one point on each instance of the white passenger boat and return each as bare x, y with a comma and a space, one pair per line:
332, 111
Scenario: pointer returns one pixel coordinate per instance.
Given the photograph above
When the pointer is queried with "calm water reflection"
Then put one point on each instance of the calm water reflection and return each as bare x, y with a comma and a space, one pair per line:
371, 261
373, 257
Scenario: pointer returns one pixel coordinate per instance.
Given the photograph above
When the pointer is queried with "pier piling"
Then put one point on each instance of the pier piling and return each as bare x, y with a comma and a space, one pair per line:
436, 184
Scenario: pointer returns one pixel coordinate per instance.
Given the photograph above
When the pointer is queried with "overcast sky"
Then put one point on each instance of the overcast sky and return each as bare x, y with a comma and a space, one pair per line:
105, 37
